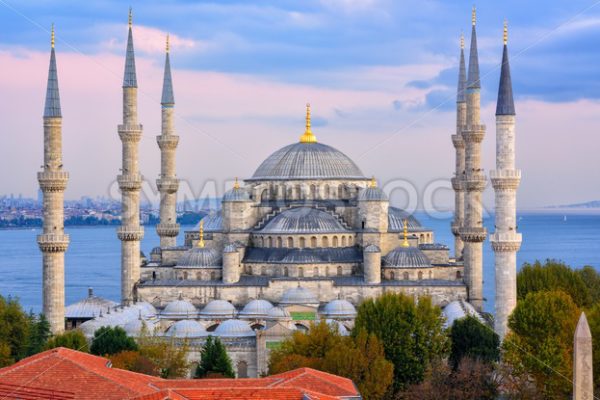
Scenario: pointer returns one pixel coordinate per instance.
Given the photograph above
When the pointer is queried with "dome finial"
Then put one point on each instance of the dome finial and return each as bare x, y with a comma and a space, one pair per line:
167, 46
201, 241
308, 136
373, 183
236, 184
52, 36
405, 233
474, 16
130, 22
505, 32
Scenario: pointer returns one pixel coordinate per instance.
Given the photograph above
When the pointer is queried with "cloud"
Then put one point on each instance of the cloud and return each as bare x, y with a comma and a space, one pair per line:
148, 40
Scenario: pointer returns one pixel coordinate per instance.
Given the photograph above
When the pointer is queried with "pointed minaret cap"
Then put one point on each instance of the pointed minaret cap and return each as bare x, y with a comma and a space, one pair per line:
462, 73
308, 136
583, 329
129, 78
473, 75
167, 99
505, 104
52, 105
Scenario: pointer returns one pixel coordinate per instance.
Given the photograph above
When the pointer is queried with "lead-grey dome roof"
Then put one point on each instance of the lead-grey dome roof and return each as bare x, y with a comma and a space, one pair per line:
372, 194
200, 257
298, 295
89, 307
186, 329
257, 308
307, 161
218, 309
339, 309
406, 257
396, 217
179, 309
304, 220
236, 194
279, 314
459, 309
234, 328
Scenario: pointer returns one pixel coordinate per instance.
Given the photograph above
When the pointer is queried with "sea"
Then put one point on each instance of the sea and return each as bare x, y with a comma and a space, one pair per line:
93, 257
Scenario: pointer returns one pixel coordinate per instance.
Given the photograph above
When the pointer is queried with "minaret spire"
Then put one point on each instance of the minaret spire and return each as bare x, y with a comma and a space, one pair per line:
459, 145
130, 181
308, 136
505, 180
53, 241
472, 232
167, 183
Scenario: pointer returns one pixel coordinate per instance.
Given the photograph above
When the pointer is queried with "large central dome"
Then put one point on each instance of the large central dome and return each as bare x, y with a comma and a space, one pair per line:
307, 161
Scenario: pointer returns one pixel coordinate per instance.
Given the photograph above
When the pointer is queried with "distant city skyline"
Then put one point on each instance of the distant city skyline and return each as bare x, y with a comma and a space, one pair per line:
381, 78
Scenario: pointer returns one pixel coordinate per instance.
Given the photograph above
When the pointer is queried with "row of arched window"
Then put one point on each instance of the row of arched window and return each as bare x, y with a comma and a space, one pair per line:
308, 192
305, 241
406, 276
300, 272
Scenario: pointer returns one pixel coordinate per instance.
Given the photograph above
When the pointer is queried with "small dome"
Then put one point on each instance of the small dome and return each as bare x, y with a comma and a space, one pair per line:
179, 309
146, 308
372, 249
459, 309
89, 307
307, 161
396, 217
218, 309
342, 330
304, 220
234, 328
186, 329
89, 327
298, 295
236, 194
156, 251
339, 309
198, 257
406, 257
279, 314
230, 248
372, 194
256, 309
135, 327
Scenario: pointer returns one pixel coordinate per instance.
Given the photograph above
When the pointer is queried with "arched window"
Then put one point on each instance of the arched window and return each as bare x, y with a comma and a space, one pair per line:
290, 242
325, 241
153, 275
339, 270
199, 276
290, 193
392, 275
420, 275
185, 275
302, 243
458, 275
313, 192
313, 241
279, 242
270, 241
285, 271
350, 240
430, 275
316, 271
263, 270
213, 276
343, 241
301, 272
340, 192
326, 271
264, 196
261, 241
405, 276
335, 241
298, 192
326, 192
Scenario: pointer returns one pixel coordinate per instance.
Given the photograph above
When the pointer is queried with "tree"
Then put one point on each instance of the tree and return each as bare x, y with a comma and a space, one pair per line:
591, 279
39, 334
108, 340
412, 334
553, 275
214, 360
134, 361
73, 339
540, 344
169, 357
471, 338
360, 358
15, 328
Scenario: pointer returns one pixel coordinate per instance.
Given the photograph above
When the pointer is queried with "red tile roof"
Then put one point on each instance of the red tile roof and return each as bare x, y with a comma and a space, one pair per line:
63, 374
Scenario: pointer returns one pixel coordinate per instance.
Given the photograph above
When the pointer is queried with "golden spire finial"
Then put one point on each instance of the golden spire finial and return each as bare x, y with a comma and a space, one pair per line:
201, 241
236, 184
308, 136
473, 16
505, 32
52, 36
130, 17
405, 233
167, 47
373, 183
462, 41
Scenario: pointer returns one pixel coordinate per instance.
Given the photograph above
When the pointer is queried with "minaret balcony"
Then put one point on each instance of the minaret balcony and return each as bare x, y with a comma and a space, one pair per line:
53, 242
458, 142
129, 182
130, 133
457, 184
505, 179
506, 241
475, 182
473, 234
127, 234
168, 230
167, 142
455, 227
53, 181
167, 185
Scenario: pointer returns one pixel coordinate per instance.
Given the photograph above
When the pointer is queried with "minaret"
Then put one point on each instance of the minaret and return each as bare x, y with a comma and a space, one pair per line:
53, 241
505, 180
167, 183
473, 233
583, 364
130, 181
457, 181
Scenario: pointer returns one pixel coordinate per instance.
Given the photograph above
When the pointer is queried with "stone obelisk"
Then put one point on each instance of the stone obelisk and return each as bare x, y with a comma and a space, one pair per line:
583, 377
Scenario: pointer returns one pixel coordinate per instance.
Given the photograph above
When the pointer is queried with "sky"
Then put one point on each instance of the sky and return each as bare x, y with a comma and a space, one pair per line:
380, 76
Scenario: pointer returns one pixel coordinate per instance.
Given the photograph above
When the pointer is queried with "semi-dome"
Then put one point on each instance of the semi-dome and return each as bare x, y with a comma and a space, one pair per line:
396, 217
304, 220
198, 257
279, 314
339, 309
234, 328
186, 329
257, 308
298, 295
406, 257
218, 309
459, 309
371, 248
307, 161
179, 309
